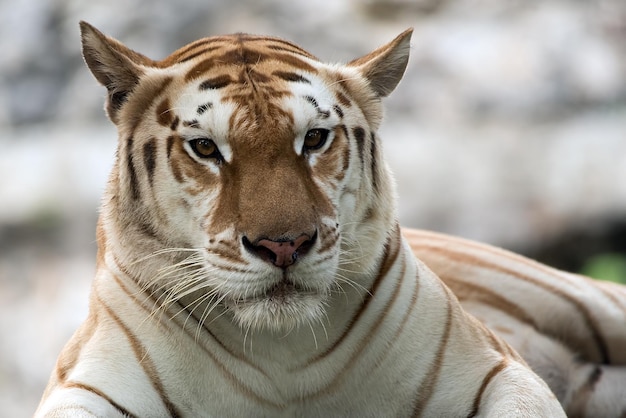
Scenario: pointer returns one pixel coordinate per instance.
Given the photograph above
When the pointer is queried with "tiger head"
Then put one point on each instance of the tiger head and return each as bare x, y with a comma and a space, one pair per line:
249, 175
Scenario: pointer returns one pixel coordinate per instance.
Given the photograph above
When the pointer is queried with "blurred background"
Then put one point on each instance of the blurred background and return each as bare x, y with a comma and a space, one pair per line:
509, 128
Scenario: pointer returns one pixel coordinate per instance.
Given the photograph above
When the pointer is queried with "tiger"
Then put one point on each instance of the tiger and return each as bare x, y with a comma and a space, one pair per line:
569, 328
250, 262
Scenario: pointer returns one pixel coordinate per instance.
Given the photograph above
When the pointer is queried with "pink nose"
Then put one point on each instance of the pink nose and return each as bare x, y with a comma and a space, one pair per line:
281, 253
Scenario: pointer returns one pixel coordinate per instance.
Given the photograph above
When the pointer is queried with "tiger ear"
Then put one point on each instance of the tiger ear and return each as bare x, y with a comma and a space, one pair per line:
115, 66
384, 67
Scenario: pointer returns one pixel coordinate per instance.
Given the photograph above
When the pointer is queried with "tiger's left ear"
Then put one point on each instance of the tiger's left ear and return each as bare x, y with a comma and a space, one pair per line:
115, 66
384, 67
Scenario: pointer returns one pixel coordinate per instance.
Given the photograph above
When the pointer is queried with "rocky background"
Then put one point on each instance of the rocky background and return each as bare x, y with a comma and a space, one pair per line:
509, 127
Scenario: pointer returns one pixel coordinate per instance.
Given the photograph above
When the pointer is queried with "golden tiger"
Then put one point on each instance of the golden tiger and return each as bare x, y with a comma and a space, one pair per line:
250, 263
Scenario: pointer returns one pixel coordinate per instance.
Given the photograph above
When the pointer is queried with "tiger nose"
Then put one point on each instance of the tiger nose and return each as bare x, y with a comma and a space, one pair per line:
283, 252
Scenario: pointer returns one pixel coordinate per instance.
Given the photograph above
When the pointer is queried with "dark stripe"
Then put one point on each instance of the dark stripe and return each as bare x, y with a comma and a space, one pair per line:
405, 319
200, 68
132, 175
226, 251
203, 108
471, 291
343, 99
390, 255
194, 45
594, 377
144, 360
294, 62
192, 50
190, 56
102, 395
578, 306
170, 144
242, 56
71, 353
345, 131
312, 100
235, 382
338, 110
359, 136
215, 83
328, 244
154, 297
612, 294
149, 158
374, 161
175, 123
492, 373
427, 387
173, 162
140, 108
191, 123
147, 228
356, 351
322, 113
580, 398
498, 344
164, 113
287, 47
346, 154
289, 76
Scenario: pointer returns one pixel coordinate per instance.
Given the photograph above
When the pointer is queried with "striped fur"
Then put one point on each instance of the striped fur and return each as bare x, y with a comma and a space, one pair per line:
250, 262
570, 329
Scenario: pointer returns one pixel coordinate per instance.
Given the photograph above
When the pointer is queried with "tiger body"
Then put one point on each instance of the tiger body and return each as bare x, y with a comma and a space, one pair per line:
249, 258
569, 328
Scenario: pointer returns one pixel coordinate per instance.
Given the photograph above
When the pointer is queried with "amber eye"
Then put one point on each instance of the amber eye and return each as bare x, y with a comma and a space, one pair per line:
315, 139
205, 148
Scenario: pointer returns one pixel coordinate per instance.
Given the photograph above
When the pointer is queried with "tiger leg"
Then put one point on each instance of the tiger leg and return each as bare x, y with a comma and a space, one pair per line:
77, 402
527, 400
603, 392
584, 388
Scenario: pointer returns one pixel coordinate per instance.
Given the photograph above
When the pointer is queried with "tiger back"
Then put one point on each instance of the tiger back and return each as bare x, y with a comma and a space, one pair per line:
249, 258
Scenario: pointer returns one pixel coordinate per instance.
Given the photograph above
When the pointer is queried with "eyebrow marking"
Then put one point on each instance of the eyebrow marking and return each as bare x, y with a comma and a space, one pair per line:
204, 107
312, 100
322, 113
290, 76
191, 123
338, 110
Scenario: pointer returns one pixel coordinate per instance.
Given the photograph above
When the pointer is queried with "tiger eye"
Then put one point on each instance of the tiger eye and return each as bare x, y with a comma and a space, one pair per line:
315, 139
204, 148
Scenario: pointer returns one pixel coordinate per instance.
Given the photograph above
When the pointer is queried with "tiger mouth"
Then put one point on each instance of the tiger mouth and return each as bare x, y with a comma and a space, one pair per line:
281, 292
280, 307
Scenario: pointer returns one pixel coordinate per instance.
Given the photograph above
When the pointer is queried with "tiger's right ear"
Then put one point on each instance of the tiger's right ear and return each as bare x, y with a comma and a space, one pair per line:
384, 67
115, 66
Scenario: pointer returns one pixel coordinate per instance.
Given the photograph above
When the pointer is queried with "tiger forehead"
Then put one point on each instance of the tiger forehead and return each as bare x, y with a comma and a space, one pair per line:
240, 50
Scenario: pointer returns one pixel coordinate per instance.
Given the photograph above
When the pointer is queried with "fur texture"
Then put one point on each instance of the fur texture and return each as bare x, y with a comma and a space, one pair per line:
250, 262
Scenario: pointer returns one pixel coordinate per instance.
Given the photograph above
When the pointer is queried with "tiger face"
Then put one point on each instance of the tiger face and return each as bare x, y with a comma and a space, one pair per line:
255, 158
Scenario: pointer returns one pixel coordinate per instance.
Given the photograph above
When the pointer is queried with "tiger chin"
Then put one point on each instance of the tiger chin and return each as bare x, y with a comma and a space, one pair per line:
249, 258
